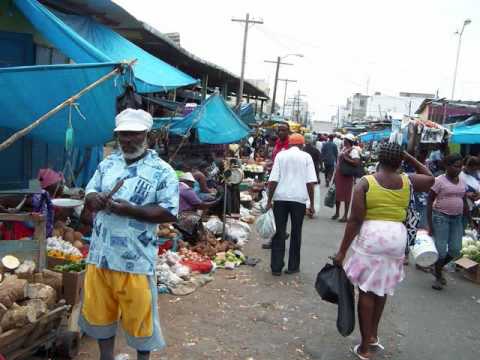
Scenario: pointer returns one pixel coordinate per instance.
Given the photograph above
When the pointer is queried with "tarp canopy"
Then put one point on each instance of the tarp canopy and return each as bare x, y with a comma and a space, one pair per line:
375, 135
161, 122
32, 91
247, 114
85, 41
466, 134
214, 121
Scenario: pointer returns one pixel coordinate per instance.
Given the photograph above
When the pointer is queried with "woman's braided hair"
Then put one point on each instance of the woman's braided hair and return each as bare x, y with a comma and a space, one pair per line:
390, 155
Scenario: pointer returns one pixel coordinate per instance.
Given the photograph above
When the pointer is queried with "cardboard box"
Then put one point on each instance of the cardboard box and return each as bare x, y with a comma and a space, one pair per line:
471, 269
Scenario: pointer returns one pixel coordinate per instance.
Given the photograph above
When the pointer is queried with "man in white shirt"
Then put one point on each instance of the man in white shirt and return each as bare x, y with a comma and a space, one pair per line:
290, 185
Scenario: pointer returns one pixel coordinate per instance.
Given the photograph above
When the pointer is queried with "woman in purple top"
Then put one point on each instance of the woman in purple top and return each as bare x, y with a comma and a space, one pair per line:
189, 200
445, 209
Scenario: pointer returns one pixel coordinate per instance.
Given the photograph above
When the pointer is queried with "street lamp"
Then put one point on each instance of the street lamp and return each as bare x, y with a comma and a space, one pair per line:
278, 62
459, 33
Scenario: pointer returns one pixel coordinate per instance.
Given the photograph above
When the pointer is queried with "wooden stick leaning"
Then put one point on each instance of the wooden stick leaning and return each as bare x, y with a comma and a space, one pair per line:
25, 131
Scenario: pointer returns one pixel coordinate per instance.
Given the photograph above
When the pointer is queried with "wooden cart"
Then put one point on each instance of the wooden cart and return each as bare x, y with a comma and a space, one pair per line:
48, 333
45, 336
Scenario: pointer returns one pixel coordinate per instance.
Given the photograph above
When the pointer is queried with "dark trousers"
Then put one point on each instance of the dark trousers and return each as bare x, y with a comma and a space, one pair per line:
281, 210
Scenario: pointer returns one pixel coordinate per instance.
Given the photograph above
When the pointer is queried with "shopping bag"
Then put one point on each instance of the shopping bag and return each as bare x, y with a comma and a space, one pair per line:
329, 200
265, 225
333, 286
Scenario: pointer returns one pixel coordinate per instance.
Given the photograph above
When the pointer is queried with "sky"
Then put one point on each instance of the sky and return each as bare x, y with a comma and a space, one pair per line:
349, 46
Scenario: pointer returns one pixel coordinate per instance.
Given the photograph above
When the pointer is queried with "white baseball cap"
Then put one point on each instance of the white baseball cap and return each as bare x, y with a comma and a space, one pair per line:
133, 120
350, 137
187, 177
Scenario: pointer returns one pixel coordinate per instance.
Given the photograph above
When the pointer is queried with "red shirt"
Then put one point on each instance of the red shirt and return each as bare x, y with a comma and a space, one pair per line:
279, 146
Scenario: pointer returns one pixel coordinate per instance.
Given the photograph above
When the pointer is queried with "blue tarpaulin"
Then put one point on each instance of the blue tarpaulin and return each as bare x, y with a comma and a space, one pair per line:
375, 135
247, 114
32, 91
466, 134
214, 121
85, 41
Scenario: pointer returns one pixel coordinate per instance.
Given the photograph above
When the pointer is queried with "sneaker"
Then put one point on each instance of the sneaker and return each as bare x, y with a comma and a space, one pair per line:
290, 272
276, 273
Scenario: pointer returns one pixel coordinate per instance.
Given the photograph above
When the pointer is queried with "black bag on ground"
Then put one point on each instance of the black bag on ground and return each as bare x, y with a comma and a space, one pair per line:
333, 286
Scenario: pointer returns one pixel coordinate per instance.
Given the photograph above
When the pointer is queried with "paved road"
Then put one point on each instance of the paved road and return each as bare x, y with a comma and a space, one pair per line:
419, 322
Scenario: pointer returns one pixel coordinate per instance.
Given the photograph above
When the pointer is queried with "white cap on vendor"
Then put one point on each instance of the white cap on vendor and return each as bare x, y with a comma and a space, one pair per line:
187, 177
133, 120
349, 137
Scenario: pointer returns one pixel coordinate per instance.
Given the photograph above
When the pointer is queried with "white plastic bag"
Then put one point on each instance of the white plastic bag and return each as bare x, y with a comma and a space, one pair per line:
214, 225
238, 232
265, 225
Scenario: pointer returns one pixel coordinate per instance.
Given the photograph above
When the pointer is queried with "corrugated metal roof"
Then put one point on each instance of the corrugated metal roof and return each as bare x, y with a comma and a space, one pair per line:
155, 42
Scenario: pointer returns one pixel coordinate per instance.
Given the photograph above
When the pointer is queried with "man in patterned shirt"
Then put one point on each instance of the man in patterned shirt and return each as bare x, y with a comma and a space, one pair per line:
120, 279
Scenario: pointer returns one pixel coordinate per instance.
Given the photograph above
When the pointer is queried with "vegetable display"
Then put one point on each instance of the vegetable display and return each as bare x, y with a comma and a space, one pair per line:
71, 267
471, 248
61, 249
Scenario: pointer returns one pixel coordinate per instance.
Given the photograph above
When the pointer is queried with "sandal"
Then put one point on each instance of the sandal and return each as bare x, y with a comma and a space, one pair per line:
343, 220
377, 345
334, 217
355, 352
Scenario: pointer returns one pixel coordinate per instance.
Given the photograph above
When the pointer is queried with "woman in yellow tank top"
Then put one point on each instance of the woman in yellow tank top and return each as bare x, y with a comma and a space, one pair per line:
378, 238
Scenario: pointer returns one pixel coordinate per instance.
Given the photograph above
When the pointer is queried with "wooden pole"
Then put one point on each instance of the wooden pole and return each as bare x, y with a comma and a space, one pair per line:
25, 131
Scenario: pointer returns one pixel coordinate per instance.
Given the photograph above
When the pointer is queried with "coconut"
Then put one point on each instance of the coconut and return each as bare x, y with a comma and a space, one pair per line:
10, 262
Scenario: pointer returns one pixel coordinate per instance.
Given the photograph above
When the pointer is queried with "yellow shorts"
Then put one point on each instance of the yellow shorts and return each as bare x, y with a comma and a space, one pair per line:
112, 296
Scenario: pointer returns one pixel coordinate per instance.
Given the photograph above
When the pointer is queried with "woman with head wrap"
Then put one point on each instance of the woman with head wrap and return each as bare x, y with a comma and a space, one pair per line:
377, 235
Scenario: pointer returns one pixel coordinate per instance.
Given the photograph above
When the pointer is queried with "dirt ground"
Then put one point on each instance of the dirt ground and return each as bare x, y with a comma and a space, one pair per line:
243, 314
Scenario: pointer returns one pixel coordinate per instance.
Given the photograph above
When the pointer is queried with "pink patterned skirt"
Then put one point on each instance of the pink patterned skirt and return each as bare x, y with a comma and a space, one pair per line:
376, 260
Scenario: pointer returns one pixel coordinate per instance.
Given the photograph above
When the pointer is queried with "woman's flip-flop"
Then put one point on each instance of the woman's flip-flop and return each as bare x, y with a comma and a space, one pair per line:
377, 345
354, 350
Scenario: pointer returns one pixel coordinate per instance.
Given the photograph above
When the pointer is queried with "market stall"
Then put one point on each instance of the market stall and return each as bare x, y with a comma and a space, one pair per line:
31, 307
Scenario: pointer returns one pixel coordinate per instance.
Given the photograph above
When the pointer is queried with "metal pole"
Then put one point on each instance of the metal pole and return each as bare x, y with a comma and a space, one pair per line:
285, 94
284, 99
224, 217
272, 110
456, 64
466, 22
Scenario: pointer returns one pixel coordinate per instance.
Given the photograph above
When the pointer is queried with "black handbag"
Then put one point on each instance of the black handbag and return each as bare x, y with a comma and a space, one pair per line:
348, 169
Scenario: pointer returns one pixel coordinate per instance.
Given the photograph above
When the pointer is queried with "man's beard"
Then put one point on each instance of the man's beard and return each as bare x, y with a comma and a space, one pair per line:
139, 151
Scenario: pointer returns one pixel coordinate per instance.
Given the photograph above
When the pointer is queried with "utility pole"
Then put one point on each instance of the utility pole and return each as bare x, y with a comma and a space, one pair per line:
285, 93
274, 97
296, 101
247, 22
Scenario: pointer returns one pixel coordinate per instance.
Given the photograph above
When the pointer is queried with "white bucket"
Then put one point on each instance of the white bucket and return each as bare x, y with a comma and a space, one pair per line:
423, 250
